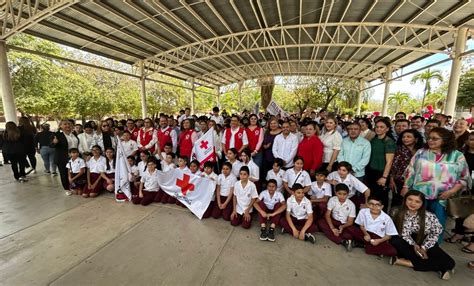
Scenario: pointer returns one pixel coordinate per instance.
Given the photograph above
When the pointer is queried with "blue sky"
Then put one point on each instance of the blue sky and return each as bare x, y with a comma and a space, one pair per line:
416, 90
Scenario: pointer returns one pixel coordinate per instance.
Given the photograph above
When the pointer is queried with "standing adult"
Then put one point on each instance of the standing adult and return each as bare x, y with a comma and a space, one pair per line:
267, 145
355, 150
62, 141
461, 133
187, 137
218, 119
147, 136
332, 141
104, 136
255, 137
400, 126
438, 171
28, 134
366, 128
42, 141
381, 158
311, 149
285, 146
13, 148
234, 136
418, 123
133, 129
166, 134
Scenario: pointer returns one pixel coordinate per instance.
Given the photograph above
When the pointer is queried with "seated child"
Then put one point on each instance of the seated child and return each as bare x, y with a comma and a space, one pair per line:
108, 175
167, 163
209, 173
245, 195
339, 218
320, 192
149, 185
224, 192
277, 173
270, 204
76, 173
344, 175
299, 216
194, 168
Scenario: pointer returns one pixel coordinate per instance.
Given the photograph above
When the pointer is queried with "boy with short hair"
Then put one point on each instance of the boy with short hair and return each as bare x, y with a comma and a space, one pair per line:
209, 173
269, 205
320, 192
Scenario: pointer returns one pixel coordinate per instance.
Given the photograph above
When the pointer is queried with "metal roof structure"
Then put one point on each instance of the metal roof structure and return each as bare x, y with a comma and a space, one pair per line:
218, 42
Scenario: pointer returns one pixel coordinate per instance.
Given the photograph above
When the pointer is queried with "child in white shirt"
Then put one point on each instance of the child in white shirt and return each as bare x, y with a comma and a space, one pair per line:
277, 174
209, 173
149, 185
344, 175
224, 192
319, 193
270, 204
76, 173
245, 195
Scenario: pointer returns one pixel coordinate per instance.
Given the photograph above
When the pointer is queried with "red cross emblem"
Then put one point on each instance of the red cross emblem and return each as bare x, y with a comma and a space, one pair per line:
203, 144
184, 184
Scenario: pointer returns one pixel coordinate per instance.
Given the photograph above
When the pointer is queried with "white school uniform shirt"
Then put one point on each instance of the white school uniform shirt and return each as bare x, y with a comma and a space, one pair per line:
269, 201
285, 148
213, 177
150, 181
165, 167
226, 183
341, 212
382, 225
244, 196
111, 169
354, 184
299, 210
129, 147
96, 166
236, 168
198, 173
254, 170
185, 170
133, 171
331, 141
320, 192
141, 168
302, 177
76, 165
278, 177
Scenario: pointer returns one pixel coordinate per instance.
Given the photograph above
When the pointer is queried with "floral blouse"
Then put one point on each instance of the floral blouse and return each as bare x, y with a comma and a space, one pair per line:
401, 160
432, 229
432, 174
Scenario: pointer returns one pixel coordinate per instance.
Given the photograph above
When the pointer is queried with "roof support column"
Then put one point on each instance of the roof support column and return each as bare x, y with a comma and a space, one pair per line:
359, 96
218, 91
453, 85
6, 90
193, 97
143, 89
388, 79
241, 84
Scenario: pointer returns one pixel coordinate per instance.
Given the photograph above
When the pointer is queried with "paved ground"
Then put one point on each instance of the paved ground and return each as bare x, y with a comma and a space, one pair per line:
47, 238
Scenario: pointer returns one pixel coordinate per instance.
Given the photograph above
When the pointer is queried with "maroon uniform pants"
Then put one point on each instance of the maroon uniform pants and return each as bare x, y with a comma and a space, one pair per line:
319, 210
299, 224
239, 220
384, 248
274, 219
225, 213
345, 235
148, 198
98, 187
208, 212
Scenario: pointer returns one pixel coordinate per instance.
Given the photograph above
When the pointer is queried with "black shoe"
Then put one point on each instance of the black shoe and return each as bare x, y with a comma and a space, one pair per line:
359, 244
271, 234
263, 234
309, 237
347, 244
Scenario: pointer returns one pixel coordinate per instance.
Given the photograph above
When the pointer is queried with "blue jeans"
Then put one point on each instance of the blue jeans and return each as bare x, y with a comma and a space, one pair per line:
440, 212
47, 153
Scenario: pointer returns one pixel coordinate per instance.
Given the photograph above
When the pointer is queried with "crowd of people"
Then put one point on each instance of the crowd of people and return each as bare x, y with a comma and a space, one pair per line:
315, 172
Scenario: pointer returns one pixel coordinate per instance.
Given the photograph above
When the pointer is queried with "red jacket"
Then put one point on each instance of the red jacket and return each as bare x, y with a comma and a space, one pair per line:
185, 143
311, 149
164, 137
253, 136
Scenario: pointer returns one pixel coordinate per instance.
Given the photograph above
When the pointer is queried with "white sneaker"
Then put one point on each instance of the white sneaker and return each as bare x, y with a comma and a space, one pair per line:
23, 179
68, 193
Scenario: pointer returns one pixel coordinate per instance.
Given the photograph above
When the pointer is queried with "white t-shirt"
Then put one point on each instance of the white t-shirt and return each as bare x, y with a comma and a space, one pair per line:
381, 225
213, 177
150, 181
129, 147
133, 171
236, 168
341, 212
186, 170
292, 178
76, 165
350, 181
96, 166
141, 168
331, 141
299, 210
111, 169
270, 201
244, 196
320, 192
278, 177
226, 183
254, 170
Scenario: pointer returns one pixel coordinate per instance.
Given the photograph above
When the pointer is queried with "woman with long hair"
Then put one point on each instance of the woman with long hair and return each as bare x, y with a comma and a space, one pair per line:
29, 132
187, 137
13, 148
104, 136
416, 244
366, 128
267, 145
332, 141
42, 141
255, 137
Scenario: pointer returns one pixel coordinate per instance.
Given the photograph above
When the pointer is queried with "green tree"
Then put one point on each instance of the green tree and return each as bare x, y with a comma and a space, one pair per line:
425, 78
398, 99
466, 89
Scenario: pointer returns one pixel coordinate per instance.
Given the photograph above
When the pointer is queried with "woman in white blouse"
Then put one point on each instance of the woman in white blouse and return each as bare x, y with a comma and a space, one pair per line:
86, 139
332, 141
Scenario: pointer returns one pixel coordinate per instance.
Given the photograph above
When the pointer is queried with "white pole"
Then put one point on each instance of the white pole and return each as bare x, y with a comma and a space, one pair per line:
193, 97
388, 79
6, 90
241, 83
359, 96
143, 89
453, 85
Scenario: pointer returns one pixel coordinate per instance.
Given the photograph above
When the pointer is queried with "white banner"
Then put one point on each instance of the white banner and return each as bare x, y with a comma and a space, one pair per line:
204, 149
122, 169
274, 109
193, 191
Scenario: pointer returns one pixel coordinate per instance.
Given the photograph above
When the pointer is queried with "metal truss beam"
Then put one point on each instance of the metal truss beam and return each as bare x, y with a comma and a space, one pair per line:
12, 20
347, 34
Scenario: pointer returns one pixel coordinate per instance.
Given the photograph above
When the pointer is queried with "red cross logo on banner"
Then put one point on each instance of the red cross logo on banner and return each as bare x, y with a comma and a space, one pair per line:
184, 184
203, 144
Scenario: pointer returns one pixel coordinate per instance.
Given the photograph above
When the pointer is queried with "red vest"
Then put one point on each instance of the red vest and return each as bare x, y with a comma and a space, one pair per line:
134, 133
253, 136
164, 136
185, 143
237, 138
146, 137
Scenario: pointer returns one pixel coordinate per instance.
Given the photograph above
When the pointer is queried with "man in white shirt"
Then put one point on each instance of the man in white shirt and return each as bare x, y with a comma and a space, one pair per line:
186, 115
285, 146
216, 117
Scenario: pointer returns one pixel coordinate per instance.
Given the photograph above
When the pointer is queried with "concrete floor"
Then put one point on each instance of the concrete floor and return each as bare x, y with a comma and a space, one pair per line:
47, 238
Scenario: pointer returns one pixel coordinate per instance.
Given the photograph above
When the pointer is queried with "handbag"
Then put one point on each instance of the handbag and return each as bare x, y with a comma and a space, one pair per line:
461, 206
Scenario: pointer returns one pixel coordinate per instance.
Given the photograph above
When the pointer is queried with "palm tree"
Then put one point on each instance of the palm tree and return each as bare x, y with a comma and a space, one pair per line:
426, 77
398, 98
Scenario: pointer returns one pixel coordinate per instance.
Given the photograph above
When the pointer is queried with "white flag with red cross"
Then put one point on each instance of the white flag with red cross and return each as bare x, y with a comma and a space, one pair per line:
204, 149
193, 191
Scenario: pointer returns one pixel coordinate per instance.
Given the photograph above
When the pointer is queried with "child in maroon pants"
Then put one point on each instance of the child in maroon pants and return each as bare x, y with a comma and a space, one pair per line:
245, 195
299, 216
320, 192
209, 173
376, 229
270, 204
339, 218
149, 185
224, 193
